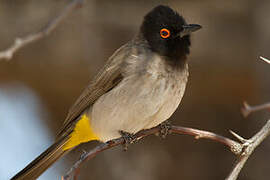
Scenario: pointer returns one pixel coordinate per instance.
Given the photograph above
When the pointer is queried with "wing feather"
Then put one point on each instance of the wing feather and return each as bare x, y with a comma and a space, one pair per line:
108, 77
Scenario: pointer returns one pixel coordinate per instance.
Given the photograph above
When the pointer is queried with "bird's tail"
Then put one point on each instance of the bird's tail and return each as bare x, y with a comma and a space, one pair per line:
81, 133
43, 161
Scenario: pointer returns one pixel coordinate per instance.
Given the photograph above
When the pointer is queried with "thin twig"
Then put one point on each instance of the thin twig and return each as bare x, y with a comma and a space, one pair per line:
21, 42
249, 144
247, 109
265, 60
248, 147
234, 146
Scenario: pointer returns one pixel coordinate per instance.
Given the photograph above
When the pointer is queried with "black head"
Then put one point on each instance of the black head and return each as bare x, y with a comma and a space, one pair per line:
167, 32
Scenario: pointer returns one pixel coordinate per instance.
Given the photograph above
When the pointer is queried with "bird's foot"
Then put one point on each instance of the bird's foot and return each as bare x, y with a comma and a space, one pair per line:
128, 138
164, 129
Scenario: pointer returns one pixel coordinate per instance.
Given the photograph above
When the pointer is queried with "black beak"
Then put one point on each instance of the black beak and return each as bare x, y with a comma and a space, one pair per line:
189, 28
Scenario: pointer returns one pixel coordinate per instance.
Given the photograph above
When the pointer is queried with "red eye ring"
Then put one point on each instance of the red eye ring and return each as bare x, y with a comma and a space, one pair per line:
165, 33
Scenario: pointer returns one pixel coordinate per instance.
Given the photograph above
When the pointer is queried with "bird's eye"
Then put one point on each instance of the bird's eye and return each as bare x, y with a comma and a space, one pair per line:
165, 33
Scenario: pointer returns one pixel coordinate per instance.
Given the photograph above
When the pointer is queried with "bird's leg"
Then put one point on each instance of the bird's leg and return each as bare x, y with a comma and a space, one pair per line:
164, 129
129, 139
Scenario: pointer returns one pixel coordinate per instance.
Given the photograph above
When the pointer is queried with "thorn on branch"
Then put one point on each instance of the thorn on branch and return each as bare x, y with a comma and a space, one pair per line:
238, 137
265, 60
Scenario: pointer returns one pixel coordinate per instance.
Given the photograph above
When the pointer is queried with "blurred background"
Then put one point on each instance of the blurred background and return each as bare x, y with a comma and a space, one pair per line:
41, 82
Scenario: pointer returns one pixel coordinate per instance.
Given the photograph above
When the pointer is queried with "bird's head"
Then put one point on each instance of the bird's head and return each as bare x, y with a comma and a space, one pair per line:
167, 33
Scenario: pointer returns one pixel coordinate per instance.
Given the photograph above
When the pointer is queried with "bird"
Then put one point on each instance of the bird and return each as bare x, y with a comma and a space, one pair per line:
140, 86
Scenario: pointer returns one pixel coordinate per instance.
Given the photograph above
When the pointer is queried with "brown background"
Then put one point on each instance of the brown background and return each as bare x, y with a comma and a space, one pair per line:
225, 70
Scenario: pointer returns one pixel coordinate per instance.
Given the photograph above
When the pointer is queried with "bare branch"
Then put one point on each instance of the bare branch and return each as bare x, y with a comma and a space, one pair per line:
21, 42
265, 60
249, 144
234, 146
243, 150
248, 148
247, 109
237, 136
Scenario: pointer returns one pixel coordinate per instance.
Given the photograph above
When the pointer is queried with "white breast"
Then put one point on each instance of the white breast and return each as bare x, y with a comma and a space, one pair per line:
141, 100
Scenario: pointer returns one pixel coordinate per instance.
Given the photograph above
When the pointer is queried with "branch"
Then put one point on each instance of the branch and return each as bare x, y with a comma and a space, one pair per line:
243, 149
21, 42
249, 144
247, 109
248, 147
265, 60
234, 146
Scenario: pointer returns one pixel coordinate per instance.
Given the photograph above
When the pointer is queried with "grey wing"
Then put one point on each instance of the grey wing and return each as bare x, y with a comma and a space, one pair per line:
108, 77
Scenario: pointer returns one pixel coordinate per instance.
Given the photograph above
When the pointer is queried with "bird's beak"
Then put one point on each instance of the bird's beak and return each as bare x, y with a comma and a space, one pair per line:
189, 28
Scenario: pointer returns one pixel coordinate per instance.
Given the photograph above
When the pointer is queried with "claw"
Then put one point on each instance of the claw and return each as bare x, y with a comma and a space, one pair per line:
129, 139
164, 129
